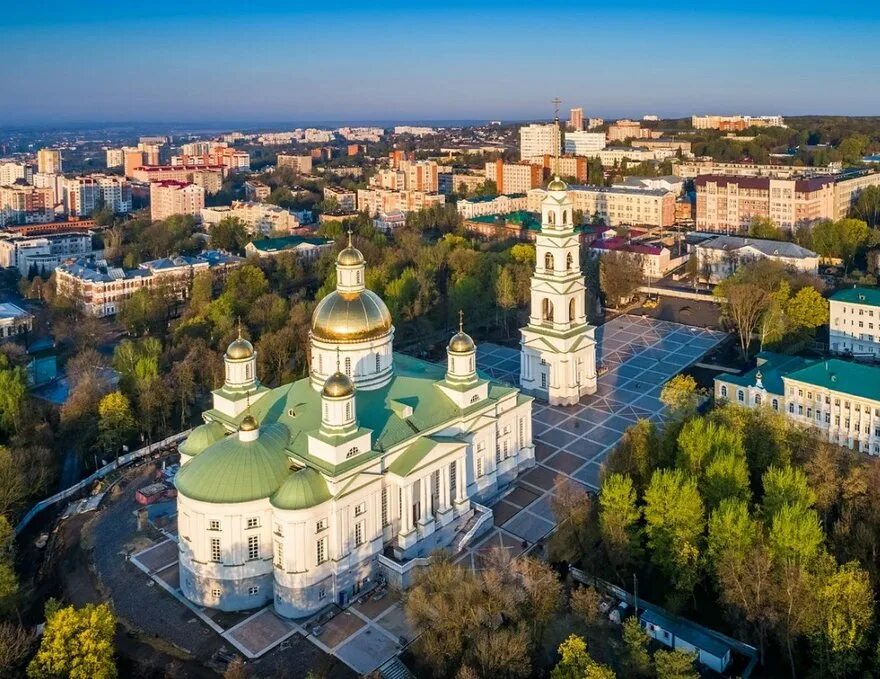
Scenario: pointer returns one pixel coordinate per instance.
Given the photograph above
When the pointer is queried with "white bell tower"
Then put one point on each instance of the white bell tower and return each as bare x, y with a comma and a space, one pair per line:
558, 355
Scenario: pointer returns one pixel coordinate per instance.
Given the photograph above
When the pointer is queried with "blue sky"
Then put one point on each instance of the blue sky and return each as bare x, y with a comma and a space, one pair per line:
191, 60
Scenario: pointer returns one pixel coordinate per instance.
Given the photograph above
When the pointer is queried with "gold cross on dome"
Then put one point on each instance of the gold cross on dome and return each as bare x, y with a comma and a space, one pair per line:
460, 320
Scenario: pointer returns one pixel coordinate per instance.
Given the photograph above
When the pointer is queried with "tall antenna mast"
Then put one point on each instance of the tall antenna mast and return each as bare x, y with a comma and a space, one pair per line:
556, 101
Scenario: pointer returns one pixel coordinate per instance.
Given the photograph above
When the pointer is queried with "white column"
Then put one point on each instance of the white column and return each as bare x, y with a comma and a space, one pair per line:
460, 479
444, 488
406, 514
425, 488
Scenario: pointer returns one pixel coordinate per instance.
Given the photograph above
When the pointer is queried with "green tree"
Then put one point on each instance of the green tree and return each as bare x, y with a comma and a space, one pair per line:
727, 477
764, 227
576, 663
8, 577
76, 643
745, 302
807, 309
505, 295
785, 486
116, 423
635, 455
243, 286
795, 534
638, 661
681, 395
618, 519
867, 206
701, 440
620, 274
675, 665
732, 531
229, 234
13, 392
852, 148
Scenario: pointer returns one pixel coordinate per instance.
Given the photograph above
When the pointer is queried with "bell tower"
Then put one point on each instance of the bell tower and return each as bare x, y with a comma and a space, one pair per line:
558, 354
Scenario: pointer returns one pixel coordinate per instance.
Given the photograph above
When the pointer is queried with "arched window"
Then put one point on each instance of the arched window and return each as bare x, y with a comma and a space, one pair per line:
571, 307
547, 309
757, 399
248, 371
378, 362
723, 391
348, 410
548, 262
551, 217
740, 396
775, 404
569, 261
565, 216
348, 366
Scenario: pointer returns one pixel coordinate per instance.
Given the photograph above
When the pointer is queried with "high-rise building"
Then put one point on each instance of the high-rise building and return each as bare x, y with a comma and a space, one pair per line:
576, 120
539, 140
115, 158
84, 195
301, 164
175, 198
515, 177
558, 358
49, 161
582, 143
12, 172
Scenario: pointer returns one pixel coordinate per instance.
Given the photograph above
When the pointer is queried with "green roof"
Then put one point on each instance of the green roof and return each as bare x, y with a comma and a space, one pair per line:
201, 437
302, 489
414, 384
870, 296
856, 379
285, 243
408, 460
232, 470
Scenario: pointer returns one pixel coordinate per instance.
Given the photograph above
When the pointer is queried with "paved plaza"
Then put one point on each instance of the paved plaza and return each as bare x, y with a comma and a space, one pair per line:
636, 356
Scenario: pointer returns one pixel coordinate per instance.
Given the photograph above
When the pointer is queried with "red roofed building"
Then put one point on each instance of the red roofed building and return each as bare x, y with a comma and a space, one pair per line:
657, 260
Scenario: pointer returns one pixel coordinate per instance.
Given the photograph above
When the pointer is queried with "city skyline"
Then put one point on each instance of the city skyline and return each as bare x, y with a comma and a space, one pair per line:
343, 61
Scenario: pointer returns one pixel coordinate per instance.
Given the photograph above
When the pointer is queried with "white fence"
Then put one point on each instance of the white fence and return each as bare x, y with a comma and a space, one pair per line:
121, 461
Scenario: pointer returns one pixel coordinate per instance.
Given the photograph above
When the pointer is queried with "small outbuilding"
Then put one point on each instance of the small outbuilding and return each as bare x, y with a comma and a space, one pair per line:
686, 636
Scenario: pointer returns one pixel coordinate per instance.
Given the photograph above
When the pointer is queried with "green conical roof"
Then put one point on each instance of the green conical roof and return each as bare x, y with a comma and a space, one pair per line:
201, 437
302, 489
233, 470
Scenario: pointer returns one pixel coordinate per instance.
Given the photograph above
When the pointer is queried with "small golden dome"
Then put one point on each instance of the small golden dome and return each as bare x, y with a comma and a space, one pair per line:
248, 424
351, 317
338, 385
239, 349
557, 185
350, 256
461, 343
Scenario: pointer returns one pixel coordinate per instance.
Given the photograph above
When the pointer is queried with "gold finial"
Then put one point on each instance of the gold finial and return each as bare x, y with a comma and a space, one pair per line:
239, 327
460, 320
349, 236
556, 101
337, 360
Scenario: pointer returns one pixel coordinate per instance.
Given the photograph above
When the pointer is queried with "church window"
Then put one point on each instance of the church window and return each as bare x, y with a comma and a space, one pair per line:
348, 366
348, 410
571, 309
358, 533
253, 547
757, 399
551, 217
279, 554
253, 522
569, 261
453, 480
322, 592
321, 363
378, 362
775, 404
543, 380
215, 550
547, 309
214, 524
471, 364
357, 277
480, 470
321, 551
216, 593
253, 590
354, 450
360, 509
475, 398
384, 507
548, 261
321, 525
723, 391
249, 371
565, 216
522, 428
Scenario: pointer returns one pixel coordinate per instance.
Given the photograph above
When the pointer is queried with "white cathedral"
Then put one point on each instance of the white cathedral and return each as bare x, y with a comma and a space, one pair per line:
290, 495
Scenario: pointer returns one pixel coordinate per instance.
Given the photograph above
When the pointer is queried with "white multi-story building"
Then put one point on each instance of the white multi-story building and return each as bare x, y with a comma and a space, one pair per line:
616, 206
175, 198
375, 201
115, 158
414, 130
373, 460
259, 218
615, 155
537, 140
719, 257
83, 195
491, 205
301, 164
14, 321
582, 143
49, 161
11, 172
558, 356
346, 199
839, 398
737, 122
854, 322
42, 254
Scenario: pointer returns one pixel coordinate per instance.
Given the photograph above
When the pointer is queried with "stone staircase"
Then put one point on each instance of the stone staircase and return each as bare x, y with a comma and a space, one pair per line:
395, 669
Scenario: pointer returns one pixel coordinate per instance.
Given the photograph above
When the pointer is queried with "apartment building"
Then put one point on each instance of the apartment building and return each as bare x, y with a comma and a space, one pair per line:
854, 322
459, 182
839, 398
170, 197
347, 200
515, 177
616, 206
729, 204
49, 161
612, 156
83, 195
674, 145
299, 164
218, 153
656, 260
259, 218
628, 129
497, 205
375, 201
256, 191
23, 204
583, 143
735, 123
593, 123
720, 257
576, 119
11, 172
409, 175
564, 166
115, 158
41, 254
209, 177
693, 169
99, 289
667, 183
538, 140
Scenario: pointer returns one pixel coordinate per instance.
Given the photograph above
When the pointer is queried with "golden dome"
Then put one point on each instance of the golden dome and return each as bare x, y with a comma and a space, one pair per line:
350, 256
351, 317
240, 349
557, 185
338, 385
461, 343
248, 424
